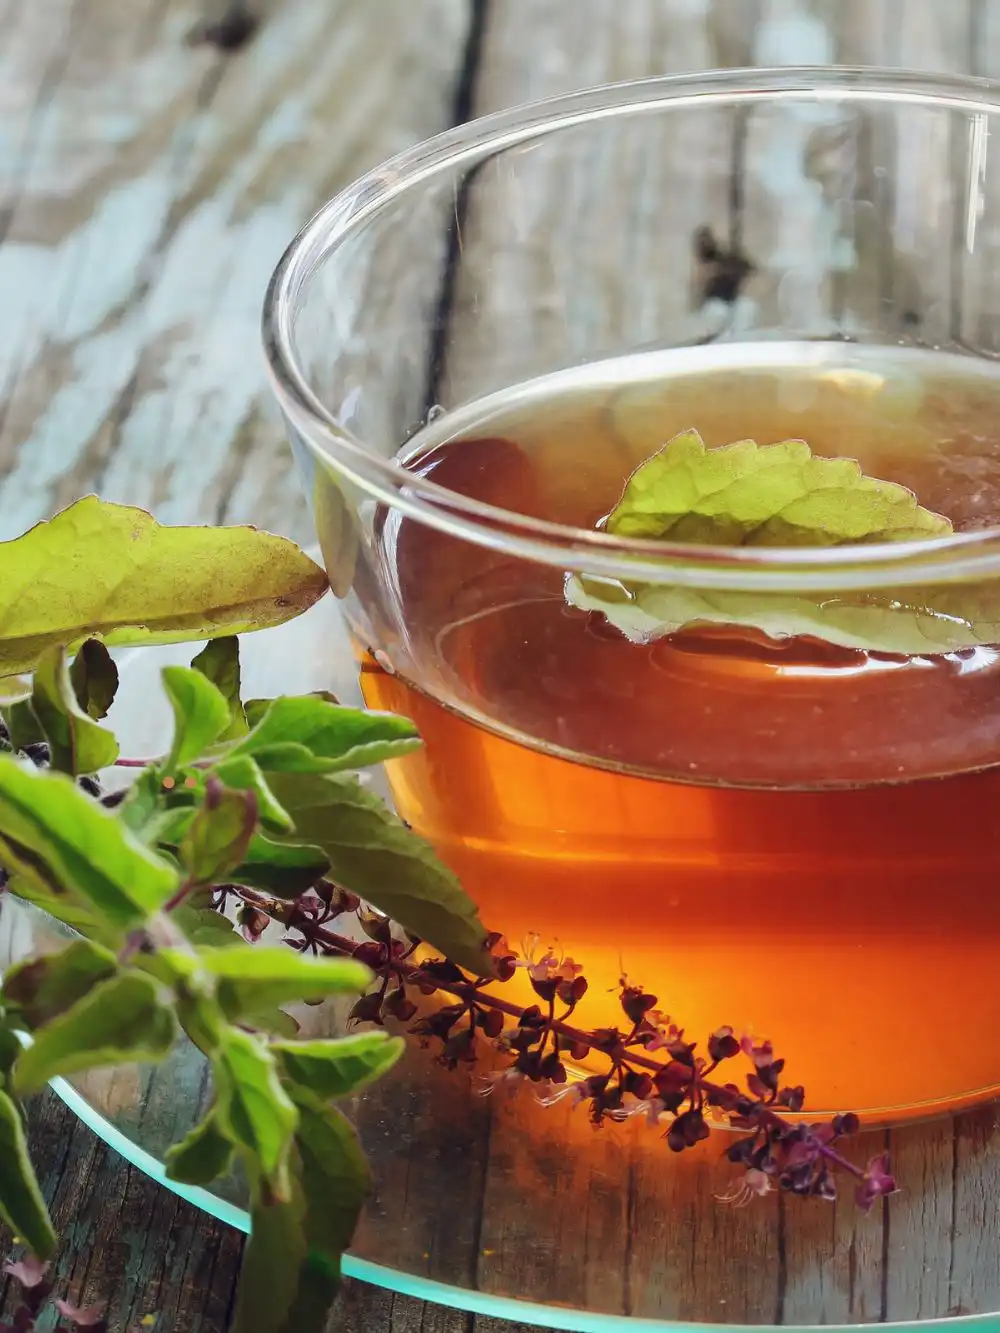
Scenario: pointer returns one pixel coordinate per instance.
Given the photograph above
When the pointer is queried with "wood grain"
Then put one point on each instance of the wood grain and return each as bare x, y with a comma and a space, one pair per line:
150, 188
146, 188
583, 246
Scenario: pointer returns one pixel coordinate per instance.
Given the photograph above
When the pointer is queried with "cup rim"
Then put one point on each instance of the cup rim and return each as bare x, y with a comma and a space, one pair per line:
951, 558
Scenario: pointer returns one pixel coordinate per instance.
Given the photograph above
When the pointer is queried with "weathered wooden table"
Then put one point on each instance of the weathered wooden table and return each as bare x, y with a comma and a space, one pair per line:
149, 184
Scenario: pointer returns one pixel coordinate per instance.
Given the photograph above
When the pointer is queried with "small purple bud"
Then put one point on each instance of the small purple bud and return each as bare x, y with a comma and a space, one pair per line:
722, 1044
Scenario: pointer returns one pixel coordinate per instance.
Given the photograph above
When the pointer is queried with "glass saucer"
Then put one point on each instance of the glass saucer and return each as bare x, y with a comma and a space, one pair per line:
497, 1205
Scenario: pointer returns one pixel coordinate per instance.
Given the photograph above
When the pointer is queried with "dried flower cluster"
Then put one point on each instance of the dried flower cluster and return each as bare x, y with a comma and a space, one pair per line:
650, 1068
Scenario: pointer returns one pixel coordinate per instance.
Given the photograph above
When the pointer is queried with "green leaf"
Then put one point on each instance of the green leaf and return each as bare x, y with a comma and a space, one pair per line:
274, 974
67, 843
58, 905
255, 709
76, 742
243, 774
145, 797
254, 1110
200, 923
41, 989
14, 688
336, 1180
100, 568
202, 1155
338, 1066
10, 1046
377, 856
21, 1204
128, 1017
201, 713
286, 869
275, 1256
764, 495
220, 833
219, 661
291, 1271
306, 734
94, 678
781, 495
906, 621
22, 724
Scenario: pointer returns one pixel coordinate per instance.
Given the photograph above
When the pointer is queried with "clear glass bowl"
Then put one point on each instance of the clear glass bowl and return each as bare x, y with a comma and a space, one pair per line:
787, 837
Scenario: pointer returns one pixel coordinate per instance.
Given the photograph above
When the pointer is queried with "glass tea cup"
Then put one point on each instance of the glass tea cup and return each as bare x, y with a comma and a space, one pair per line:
775, 810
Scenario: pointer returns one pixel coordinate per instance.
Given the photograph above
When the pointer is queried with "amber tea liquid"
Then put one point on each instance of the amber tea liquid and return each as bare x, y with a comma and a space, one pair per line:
799, 840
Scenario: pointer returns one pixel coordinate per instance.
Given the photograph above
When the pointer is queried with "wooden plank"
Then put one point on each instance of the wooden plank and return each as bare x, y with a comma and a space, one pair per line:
978, 248
162, 184
109, 336
126, 1241
792, 178
583, 246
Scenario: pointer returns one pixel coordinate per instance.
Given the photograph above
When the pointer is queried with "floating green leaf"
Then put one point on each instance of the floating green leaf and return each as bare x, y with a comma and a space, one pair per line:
764, 495
202, 1155
220, 833
21, 1204
201, 714
41, 989
128, 1017
111, 570
220, 662
94, 678
76, 743
243, 774
911, 622
254, 1111
65, 843
266, 975
338, 1066
309, 735
782, 495
377, 856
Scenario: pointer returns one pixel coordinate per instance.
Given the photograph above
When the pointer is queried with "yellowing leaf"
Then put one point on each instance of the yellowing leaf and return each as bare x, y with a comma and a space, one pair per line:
112, 570
14, 689
781, 495
746, 494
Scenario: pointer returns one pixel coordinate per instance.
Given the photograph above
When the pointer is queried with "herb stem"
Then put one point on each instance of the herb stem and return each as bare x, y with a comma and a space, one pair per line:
619, 1053
181, 894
